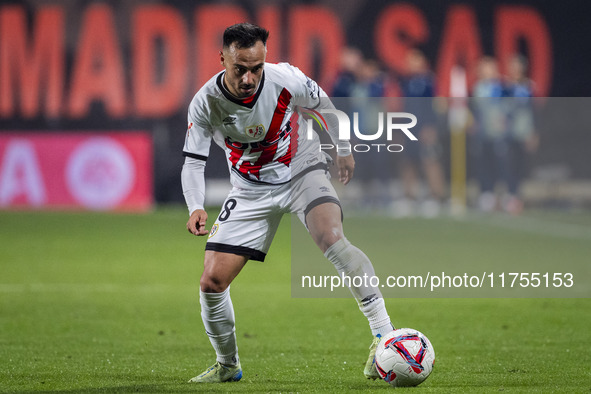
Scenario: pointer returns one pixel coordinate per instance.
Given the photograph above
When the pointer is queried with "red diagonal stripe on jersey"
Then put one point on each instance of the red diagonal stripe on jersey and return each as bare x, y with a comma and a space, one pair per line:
235, 152
293, 140
275, 126
273, 132
268, 146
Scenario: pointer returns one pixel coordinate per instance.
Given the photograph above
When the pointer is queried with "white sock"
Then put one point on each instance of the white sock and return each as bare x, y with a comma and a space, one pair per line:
351, 261
217, 314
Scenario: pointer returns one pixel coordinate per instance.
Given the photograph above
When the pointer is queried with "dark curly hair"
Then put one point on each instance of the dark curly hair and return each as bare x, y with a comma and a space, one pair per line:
244, 35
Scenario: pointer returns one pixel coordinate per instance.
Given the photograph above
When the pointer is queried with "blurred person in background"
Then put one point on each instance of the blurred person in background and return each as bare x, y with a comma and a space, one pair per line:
349, 74
490, 137
365, 83
490, 142
418, 85
522, 138
375, 168
504, 132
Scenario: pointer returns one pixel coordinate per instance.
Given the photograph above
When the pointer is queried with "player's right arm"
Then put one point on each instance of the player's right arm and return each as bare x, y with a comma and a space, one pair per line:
193, 181
196, 150
197, 221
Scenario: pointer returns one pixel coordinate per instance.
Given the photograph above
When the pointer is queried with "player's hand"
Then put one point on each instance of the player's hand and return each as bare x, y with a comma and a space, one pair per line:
346, 166
196, 223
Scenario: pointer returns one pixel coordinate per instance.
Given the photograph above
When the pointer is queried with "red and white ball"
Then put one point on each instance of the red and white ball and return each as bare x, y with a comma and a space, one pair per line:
404, 357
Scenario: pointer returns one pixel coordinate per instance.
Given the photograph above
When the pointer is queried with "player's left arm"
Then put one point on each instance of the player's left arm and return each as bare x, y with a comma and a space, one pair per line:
344, 161
314, 97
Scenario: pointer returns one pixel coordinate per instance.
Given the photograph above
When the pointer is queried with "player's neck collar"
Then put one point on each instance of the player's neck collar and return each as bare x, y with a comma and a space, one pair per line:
248, 102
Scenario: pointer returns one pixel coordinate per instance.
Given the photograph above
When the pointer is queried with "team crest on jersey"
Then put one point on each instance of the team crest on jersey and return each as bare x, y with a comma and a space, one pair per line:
214, 230
255, 131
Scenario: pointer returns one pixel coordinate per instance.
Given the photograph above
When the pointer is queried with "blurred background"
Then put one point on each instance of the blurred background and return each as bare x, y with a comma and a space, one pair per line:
94, 95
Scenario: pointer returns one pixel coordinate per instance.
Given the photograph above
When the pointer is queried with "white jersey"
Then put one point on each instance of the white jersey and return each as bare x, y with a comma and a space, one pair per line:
264, 136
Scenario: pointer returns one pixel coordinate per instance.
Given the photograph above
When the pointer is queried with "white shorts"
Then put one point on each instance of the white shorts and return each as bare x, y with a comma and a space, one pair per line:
249, 219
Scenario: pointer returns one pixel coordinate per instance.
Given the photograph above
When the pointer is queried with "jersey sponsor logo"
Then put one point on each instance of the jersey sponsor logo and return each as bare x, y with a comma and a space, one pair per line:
255, 131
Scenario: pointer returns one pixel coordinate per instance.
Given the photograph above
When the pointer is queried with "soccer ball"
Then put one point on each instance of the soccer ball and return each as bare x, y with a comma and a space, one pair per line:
404, 357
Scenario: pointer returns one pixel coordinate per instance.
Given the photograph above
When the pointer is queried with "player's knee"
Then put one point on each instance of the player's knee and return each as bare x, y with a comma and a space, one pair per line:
212, 284
327, 238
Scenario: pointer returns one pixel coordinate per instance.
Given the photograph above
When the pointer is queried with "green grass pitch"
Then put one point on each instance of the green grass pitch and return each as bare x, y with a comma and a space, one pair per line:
109, 303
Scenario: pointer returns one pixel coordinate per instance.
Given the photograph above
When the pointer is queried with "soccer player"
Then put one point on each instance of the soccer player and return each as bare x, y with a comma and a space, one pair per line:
250, 109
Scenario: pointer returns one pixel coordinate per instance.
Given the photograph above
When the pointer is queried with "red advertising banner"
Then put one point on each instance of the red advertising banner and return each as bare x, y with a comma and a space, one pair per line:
98, 171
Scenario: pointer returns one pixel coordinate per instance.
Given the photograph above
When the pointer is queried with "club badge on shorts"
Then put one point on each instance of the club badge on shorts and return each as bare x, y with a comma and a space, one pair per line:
214, 230
255, 131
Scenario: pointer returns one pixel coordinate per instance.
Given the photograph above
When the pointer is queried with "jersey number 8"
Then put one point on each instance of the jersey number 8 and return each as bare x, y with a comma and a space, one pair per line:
228, 206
